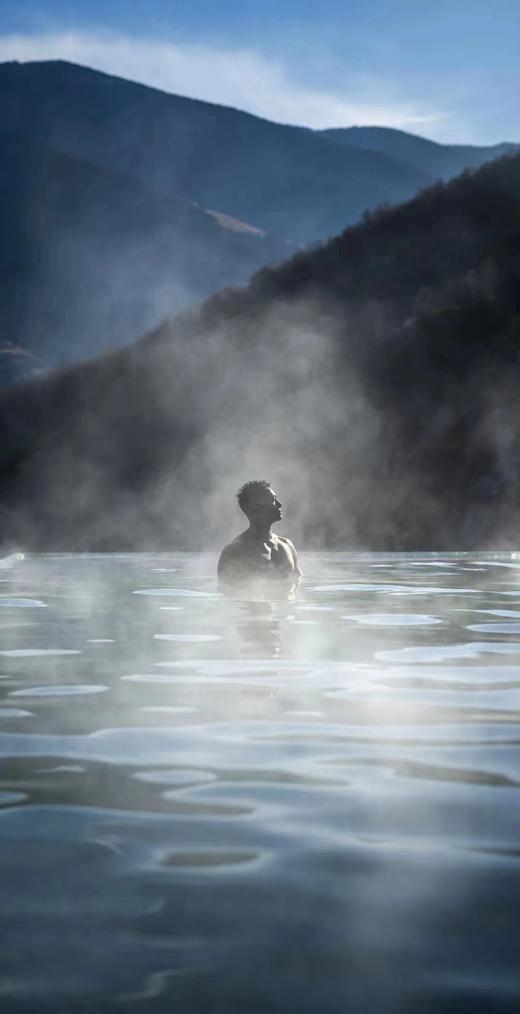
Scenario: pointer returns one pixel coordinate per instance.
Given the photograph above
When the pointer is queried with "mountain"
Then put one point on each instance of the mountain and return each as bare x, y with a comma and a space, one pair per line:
89, 258
438, 161
374, 381
292, 183
122, 205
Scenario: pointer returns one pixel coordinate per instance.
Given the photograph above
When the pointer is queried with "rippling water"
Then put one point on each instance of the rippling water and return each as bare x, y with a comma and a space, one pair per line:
218, 806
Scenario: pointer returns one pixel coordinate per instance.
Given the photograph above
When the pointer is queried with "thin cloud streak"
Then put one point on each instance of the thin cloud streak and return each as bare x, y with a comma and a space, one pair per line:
234, 77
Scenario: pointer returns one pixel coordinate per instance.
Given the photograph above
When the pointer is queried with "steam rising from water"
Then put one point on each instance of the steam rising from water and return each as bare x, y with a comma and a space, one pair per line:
208, 412
148, 447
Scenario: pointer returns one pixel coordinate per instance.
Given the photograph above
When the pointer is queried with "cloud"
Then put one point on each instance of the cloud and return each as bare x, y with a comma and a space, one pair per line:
233, 77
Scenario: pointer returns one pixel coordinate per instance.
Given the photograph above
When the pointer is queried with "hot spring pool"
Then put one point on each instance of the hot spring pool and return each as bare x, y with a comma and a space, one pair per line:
219, 806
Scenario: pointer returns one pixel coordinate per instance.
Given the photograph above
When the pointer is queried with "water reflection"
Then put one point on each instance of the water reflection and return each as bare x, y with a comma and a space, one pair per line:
258, 629
257, 607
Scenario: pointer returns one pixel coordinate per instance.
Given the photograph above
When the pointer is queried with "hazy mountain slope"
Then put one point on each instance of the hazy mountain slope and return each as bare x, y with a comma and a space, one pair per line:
89, 258
439, 161
374, 380
293, 183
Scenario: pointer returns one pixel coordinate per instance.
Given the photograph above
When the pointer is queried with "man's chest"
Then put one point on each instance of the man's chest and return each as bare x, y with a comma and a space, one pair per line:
277, 556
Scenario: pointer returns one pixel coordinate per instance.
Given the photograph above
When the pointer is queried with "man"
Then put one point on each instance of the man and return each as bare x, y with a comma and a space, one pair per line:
257, 553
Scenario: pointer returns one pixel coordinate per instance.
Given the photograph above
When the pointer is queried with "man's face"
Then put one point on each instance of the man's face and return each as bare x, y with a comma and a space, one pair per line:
267, 506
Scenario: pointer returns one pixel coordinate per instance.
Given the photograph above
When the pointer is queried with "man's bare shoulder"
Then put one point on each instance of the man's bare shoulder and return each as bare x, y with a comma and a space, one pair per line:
287, 542
232, 552
235, 546
283, 538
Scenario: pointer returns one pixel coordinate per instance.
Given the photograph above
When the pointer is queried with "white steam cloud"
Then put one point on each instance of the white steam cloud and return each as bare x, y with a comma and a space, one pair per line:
233, 77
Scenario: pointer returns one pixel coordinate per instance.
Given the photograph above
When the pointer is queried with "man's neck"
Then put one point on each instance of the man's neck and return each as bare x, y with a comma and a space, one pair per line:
259, 532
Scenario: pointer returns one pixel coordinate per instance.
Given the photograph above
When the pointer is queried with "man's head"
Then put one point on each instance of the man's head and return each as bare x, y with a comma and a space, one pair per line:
259, 502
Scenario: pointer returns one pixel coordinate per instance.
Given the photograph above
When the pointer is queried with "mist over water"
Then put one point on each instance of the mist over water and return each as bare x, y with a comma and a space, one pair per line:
218, 804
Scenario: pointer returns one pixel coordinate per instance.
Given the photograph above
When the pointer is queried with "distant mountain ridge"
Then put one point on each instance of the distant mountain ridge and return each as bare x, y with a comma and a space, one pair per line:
438, 161
123, 204
293, 183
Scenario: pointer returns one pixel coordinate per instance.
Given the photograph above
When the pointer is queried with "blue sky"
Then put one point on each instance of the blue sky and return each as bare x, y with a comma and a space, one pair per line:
447, 69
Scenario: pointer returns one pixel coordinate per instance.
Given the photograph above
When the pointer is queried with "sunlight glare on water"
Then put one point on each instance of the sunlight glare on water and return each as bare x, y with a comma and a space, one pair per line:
213, 805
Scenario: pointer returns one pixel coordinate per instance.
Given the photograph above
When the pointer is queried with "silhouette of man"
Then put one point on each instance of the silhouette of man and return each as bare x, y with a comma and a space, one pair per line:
257, 553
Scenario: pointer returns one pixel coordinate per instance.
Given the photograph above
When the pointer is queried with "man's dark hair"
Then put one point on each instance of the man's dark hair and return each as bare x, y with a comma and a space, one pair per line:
249, 491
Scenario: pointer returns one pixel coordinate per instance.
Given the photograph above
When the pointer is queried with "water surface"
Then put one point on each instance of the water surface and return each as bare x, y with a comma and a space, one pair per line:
216, 805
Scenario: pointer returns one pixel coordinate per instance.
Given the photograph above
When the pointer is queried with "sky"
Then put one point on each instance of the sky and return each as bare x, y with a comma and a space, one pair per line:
445, 69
